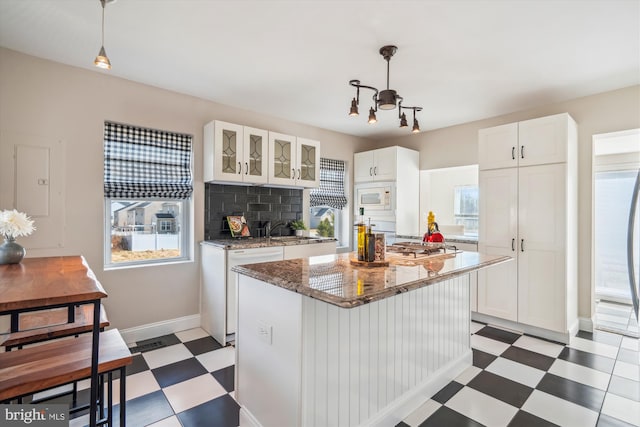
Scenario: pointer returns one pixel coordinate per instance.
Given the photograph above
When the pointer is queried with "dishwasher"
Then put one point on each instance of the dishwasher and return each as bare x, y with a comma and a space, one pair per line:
241, 257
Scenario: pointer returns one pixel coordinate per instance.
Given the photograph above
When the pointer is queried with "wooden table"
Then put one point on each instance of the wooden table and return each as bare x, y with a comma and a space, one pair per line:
51, 282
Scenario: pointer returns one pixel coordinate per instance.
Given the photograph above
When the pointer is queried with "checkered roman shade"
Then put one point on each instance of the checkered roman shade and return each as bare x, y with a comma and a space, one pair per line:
144, 163
331, 190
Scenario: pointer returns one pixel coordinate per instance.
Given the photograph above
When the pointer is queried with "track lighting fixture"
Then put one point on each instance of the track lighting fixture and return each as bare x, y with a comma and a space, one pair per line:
386, 99
102, 60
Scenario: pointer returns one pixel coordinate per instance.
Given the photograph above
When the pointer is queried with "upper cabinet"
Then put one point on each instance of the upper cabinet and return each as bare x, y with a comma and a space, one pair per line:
376, 165
235, 153
530, 142
293, 162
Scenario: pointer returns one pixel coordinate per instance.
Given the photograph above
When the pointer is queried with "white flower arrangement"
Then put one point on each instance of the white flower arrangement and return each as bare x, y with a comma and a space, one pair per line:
15, 224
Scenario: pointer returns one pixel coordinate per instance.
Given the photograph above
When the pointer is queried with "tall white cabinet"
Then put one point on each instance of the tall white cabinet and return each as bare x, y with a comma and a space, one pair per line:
528, 210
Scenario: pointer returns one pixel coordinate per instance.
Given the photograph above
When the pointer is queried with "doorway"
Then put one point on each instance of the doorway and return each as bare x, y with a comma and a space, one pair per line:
616, 165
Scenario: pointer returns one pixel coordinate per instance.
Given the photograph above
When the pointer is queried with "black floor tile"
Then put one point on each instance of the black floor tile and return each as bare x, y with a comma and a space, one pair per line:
506, 390
498, 334
449, 418
177, 372
572, 391
447, 392
590, 360
220, 412
225, 377
601, 337
629, 356
481, 359
402, 424
155, 343
145, 410
624, 387
202, 345
525, 419
138, 365
529, 358
607, 421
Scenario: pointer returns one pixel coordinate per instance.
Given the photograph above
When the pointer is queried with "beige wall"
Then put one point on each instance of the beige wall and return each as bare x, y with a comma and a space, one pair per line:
601, 113
54, 101
50, 101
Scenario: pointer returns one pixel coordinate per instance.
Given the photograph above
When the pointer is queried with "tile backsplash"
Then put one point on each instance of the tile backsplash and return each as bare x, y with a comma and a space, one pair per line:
258, 204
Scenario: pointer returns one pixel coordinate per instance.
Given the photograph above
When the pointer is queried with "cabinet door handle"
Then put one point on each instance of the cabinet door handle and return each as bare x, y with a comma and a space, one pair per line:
246, 167
298, 173
370, 171
513, 153
239, 168
522, 152
522, 245
375, 170
293, 173
513, 245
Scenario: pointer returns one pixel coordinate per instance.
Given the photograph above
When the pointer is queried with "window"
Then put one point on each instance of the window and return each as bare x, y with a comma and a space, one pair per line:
147, 189
465, 209
328, 216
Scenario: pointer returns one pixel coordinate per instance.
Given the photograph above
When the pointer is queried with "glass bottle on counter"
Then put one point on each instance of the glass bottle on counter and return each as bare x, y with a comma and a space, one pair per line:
370, 244
361, 236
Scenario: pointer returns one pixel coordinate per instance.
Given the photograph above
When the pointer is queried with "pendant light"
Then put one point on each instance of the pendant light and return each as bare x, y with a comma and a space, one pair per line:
102, 60
386, 99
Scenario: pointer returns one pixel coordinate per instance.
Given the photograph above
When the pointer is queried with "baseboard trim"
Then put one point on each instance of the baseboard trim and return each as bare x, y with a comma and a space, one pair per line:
157, 329
562, 337
402, 407
586, 324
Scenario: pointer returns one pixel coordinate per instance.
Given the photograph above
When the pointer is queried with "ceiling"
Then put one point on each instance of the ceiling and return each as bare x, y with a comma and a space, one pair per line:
461, 60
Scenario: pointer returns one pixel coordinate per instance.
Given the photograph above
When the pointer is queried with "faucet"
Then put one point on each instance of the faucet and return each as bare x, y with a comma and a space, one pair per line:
268, 228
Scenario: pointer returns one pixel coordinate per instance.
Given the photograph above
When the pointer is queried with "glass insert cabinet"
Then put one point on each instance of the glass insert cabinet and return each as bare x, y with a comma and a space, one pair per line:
241, 154
235, 153
293, 161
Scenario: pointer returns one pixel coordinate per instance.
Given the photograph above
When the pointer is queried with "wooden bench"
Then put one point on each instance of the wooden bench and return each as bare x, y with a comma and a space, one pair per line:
39, 326
38, 368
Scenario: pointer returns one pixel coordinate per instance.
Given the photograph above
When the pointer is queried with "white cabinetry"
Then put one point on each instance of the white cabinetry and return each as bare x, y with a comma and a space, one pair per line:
218, 287
234, 153
312, 249
375, 165
528, 210
293, 162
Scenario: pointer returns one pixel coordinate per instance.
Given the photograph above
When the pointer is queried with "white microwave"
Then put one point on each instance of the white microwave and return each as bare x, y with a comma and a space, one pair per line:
374, 197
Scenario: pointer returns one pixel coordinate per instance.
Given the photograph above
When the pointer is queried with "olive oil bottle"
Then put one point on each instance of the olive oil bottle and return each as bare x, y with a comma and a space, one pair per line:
361, 236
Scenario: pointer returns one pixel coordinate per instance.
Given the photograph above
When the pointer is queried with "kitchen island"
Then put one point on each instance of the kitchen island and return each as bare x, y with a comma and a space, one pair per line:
322, 342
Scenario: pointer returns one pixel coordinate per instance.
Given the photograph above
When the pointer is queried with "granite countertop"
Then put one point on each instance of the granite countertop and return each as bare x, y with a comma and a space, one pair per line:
332, 278
265, 242
448, 238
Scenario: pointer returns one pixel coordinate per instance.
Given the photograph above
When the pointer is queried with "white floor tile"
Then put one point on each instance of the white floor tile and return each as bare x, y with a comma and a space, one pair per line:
191, 334
475, 327
627, 370
422, 413
481, 407
166, 355
593, 347
167, 422
468, 374
581, 374
218, 359
140, 384
539, 346
623, 409
559, 411
630, 343
193, 392
488, 345
515, 371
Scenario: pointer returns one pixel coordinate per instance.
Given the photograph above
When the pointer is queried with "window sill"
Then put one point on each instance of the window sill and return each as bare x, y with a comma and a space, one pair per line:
112, 267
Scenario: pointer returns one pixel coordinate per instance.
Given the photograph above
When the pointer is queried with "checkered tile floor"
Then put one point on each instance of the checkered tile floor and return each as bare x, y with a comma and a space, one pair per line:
186, 380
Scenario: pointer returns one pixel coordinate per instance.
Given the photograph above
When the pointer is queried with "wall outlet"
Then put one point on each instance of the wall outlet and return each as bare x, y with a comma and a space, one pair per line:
265, 332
